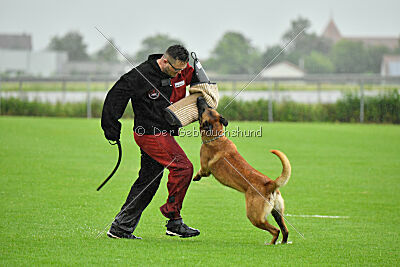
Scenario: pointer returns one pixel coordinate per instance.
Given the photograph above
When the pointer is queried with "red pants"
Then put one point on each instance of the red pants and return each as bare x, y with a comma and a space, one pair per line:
166, 151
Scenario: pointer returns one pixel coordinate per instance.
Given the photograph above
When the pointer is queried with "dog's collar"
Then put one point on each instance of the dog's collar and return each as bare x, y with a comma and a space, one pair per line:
215, 138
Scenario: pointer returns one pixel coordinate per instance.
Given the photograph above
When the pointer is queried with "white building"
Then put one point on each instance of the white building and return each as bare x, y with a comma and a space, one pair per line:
283, 69
390, 65
95, 68
16, 56
43, 63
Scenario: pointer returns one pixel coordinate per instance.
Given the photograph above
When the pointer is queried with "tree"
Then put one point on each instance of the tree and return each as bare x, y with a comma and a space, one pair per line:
155, 44
72, 43
305, 43
397, 49
107, 53
349, 57
297, 26
317, 62
271, 53
375, 55
233, 54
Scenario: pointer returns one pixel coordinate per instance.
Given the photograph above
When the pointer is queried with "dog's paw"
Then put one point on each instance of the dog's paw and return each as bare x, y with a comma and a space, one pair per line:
197, 178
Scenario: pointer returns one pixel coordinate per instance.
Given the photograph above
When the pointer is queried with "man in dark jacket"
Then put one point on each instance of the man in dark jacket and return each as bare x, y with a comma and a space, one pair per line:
152, 86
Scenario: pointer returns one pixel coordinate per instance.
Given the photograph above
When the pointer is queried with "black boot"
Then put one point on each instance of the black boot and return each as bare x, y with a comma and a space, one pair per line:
179, 228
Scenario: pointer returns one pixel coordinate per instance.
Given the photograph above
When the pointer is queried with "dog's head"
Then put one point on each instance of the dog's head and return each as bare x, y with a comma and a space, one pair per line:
211, 122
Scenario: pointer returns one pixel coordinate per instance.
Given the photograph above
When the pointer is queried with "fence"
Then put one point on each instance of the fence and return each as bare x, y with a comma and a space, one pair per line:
270, 87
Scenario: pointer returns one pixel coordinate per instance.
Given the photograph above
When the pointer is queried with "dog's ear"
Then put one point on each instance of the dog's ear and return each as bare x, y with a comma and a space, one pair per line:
223, 121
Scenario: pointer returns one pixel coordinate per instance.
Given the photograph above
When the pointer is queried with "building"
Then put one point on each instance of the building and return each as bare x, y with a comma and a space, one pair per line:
36, 63
18, 58
283, 69
390, 65
95, 68
16, 41
332, 32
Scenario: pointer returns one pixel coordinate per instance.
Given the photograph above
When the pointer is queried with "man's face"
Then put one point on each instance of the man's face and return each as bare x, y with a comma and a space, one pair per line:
172, 66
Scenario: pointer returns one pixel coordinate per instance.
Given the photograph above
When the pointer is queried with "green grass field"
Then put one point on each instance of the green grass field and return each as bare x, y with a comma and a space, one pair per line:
51, 213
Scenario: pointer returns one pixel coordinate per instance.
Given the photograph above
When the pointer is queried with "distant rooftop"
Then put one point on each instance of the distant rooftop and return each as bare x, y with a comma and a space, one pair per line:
16, 41
332, 32
390, 42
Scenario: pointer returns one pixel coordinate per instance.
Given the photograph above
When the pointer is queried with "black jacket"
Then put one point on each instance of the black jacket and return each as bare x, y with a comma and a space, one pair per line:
148, 103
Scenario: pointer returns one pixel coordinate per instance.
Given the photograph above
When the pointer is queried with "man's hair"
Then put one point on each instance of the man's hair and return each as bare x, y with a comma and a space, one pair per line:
178, 52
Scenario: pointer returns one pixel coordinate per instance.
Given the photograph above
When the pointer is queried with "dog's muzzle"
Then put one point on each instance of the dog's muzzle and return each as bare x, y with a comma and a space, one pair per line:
201, 106
184, 111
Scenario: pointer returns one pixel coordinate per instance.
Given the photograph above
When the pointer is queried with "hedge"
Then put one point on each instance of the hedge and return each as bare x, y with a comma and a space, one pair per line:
384, 108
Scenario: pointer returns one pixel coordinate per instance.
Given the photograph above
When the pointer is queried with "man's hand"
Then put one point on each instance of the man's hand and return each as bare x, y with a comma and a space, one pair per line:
112, 135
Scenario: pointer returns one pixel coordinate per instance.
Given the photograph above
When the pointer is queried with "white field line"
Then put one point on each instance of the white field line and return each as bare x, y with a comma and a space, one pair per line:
317, 216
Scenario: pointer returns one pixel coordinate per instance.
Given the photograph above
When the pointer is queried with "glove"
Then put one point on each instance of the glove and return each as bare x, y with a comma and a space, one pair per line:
112, 135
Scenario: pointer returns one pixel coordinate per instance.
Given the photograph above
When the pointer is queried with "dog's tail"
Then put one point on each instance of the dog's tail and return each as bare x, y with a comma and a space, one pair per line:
287, 169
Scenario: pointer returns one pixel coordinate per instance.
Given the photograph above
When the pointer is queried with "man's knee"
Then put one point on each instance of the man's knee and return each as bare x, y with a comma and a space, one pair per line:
182, 168
189, 166
149, 174
151, 171
186, 166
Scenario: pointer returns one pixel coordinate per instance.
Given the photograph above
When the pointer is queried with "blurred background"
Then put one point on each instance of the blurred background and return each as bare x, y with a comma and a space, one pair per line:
311, 61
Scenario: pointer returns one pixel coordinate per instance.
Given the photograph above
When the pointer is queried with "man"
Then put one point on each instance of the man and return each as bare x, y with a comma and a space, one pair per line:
151, 87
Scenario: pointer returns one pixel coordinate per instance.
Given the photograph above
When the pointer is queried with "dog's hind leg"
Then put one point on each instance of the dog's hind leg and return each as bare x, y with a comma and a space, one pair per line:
277, 212
257, 209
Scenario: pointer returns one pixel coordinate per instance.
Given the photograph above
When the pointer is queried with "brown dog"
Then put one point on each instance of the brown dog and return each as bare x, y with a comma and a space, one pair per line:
219, 156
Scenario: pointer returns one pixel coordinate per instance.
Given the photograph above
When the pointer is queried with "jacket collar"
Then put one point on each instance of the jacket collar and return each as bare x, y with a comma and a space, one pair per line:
152, 57
152, 60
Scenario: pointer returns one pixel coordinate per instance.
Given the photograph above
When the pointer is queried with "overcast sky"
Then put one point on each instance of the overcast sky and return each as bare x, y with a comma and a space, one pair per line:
199, 24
